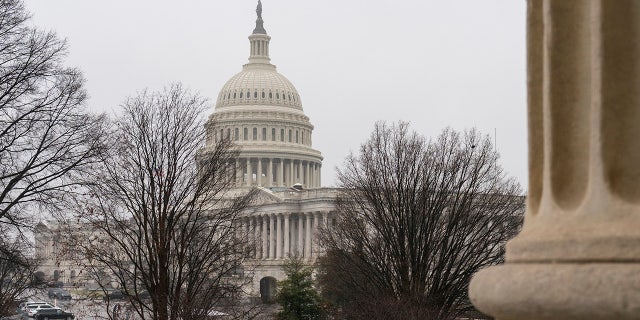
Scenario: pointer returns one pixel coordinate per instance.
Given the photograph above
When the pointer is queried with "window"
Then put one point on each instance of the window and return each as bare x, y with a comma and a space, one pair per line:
296, 136
282, 135
240, 94
255, 134
262, 94
221, 134
236, 136
289, 135
234, 95
228, 133
248, 94
264, 134
246, 134
270, 95
302, 137
255, 94
277, 95
273, 134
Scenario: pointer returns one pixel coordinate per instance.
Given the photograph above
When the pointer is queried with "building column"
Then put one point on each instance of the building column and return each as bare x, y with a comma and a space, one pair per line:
272, 236
291, 177
259, 173
249, 174
307, 236
279, 236
265, 232
270, 173
285, 252
300, 238
238, 172
307, 174
252, 235
281, 174
578, 254
300, 172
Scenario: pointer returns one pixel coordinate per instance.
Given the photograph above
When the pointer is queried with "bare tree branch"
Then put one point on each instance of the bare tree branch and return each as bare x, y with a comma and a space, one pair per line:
416, 220
163, 219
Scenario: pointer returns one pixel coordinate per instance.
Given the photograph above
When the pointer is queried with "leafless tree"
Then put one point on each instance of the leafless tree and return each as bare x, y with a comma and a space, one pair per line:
416, 219
16, 273
160, 223
47, 139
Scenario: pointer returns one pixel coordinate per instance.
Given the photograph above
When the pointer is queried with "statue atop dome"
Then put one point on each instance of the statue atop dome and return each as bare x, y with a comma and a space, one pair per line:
259, 10
259, 23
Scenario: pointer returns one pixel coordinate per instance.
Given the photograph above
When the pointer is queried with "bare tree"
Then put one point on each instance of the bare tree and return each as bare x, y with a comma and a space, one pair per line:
46, 137
416, 220
16, 273
161, 222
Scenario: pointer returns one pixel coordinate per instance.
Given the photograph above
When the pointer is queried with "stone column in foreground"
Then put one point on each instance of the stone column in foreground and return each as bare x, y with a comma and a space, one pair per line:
578, 254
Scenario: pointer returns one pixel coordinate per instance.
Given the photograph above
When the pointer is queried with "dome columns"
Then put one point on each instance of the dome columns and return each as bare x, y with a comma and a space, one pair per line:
277, 172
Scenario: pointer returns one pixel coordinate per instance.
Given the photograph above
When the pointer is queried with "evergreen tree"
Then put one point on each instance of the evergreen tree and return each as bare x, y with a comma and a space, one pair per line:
296, 294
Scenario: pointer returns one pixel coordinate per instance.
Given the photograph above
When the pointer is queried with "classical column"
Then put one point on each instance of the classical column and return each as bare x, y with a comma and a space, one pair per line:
281, 174
279, 236
307, 236
238, 172
272, 237
249, 174
300, 238
259, 173
265, 232
300, 173
291, 177
285, 253
270, 173
578, 254
307, 174
252, 233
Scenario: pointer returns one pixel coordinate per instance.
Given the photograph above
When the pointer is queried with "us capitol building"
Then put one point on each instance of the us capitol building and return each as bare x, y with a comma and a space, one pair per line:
262, 112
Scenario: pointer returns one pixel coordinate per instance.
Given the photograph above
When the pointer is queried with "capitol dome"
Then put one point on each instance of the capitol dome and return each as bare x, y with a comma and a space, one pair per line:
259, 84
261, 111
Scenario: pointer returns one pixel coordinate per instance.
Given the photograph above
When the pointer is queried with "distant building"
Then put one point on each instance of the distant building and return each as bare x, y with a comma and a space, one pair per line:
261, 111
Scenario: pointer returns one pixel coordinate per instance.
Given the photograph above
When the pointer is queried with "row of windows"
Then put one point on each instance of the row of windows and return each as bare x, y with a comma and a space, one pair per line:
285, 96
289, 135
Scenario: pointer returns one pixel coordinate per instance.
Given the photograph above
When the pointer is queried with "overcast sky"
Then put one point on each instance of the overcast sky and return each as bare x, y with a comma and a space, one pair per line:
434, 63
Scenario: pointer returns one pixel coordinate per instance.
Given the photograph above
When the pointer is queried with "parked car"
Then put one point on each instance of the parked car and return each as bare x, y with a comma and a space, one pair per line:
114, 295
33, 309
58, 293
23, 306
53, 313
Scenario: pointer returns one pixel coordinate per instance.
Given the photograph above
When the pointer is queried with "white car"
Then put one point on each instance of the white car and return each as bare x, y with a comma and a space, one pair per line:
33, 309
23, 306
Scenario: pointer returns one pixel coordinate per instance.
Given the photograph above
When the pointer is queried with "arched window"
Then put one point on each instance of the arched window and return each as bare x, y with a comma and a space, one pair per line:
240, 94
255, 134
270, 95
282, 135
236, 136
273, 134
246, 134
290, 135
302, 137
296, 136
234, 95
262, 94
248, 94
255, 94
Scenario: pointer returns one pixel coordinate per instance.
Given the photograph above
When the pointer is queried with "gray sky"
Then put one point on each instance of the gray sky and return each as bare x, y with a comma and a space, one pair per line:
458, 63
